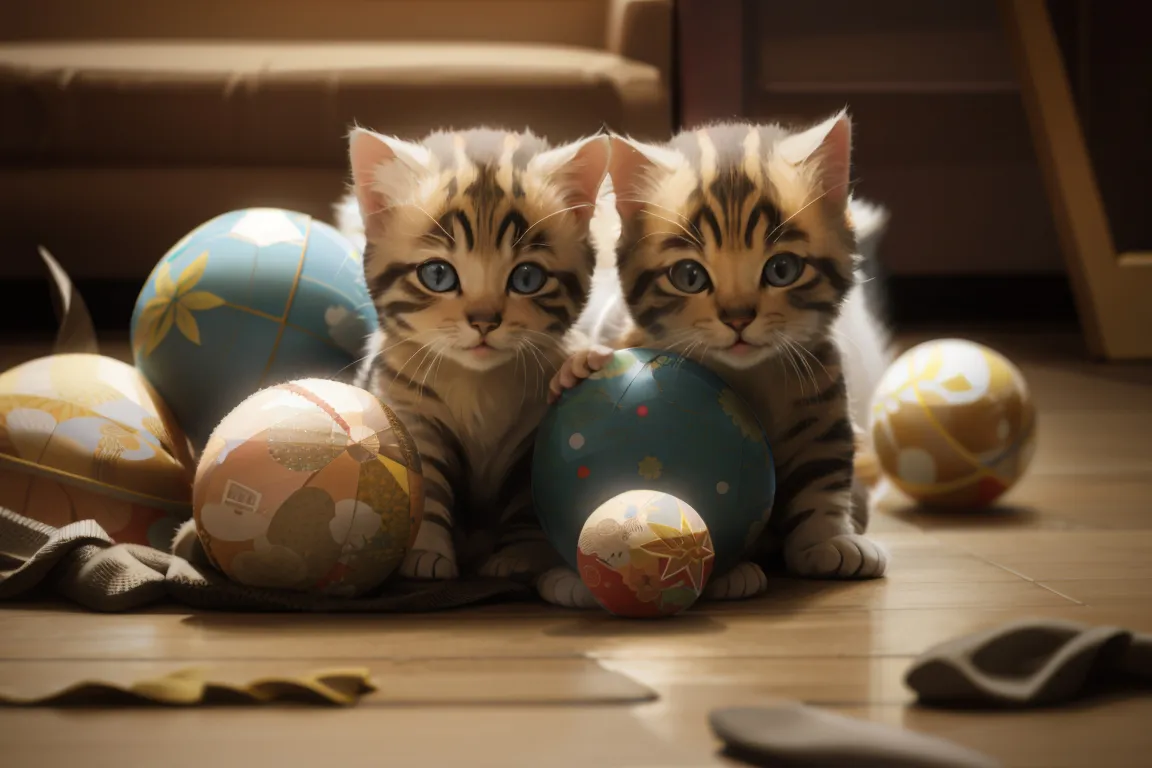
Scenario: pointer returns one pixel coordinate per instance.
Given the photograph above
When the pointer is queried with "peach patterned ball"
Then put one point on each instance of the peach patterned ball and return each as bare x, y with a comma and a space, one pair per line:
309, 486
953, 424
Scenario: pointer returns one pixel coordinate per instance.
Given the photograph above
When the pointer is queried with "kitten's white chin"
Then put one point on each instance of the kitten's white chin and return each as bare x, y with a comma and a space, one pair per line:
480, 359
742, 355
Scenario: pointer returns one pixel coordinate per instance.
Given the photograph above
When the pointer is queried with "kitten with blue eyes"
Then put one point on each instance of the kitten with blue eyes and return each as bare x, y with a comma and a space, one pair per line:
737, 247
478, 259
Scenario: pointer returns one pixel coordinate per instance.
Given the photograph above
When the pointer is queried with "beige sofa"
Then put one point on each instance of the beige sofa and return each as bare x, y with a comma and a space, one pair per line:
127, 122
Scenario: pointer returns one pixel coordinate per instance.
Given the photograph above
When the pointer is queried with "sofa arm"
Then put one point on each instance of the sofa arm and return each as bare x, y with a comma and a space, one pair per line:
641, 30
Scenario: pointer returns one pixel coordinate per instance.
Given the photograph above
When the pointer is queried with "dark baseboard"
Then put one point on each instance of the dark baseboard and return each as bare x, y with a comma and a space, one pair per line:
26, 305
912, 301
980, 300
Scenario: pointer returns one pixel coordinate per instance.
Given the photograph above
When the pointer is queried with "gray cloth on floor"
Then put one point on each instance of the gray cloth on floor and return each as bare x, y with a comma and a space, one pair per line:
793, 734
82, 563
1030, 663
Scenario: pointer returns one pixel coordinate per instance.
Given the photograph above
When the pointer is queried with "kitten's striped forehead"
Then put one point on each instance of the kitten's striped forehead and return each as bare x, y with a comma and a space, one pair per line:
486, 164
481, 173
732, 187
729, 159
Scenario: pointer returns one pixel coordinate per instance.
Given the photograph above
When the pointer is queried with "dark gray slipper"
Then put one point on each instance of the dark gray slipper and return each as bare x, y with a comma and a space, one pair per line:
1029, 663
798, 735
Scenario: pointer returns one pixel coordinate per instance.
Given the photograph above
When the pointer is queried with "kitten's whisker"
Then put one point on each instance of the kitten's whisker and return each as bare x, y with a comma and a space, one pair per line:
803, 369
787, 355
672, 211
432, 349
439, 226
536, 356
356, 363
807, 366
806, 205
401, 368
681, 227
845, 339
524, 379
408, 340
808, 352
437, 357
550, 215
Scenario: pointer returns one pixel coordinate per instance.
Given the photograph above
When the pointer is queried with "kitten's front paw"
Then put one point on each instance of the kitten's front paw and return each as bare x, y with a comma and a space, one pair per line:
562, 586
424, 564
847, 556
529, 558
579, 366
743, 581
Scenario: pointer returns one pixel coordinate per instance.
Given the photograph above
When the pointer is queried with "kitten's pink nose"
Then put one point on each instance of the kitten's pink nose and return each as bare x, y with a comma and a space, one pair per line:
737, 322
484, 323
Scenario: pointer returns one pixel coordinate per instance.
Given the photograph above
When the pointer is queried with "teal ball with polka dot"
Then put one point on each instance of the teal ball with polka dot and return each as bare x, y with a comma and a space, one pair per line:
251, 298
652, 420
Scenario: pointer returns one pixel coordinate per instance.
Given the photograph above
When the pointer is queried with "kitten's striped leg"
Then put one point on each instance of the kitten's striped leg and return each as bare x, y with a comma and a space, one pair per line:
522, 549
815, 497
433, 554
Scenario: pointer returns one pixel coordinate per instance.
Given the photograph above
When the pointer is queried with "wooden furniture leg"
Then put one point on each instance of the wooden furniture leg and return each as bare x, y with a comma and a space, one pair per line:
1113, 290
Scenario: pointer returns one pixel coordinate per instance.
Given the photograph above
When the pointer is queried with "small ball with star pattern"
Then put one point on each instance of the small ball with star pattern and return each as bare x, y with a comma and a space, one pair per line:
649, 421
645, 554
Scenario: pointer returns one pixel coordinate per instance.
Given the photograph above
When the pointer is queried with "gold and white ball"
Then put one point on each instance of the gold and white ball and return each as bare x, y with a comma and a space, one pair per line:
953, 423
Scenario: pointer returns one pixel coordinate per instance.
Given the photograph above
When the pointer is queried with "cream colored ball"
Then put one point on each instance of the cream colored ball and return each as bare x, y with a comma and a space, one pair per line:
953, 423
309, 486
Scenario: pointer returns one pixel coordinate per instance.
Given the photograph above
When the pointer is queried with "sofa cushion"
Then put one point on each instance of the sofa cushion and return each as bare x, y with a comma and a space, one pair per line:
204, 103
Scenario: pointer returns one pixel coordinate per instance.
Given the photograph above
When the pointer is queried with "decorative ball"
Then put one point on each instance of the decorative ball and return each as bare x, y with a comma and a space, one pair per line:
953, 423
251, 298
651, 420
645, 554
311, 485
84, 437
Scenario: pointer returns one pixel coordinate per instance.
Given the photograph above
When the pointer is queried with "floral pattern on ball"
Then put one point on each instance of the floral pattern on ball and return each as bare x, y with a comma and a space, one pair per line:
645, 554
650, 420
311, 485
247, 299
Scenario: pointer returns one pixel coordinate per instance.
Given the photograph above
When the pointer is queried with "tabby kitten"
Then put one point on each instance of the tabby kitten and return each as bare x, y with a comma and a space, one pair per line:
477, 257
737, 248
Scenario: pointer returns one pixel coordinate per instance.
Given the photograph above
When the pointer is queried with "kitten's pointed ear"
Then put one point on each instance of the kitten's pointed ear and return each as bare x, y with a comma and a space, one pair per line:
579, 168
634, 165
385, 171
830, 145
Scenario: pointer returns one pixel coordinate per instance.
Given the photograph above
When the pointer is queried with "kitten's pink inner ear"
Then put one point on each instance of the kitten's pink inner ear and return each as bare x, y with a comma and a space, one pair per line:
367, 152
835, 157
585, 173
627, 169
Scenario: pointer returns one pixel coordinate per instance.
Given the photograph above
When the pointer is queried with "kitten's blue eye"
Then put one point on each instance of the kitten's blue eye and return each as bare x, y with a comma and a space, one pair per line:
527, 278
783, 269
689, 276
438, 276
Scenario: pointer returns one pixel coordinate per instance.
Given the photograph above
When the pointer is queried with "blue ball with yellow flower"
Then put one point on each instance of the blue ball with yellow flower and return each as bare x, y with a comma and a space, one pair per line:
655, 421
249, 299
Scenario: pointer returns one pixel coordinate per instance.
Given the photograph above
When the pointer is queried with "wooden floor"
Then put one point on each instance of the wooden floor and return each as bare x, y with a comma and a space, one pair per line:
525, 685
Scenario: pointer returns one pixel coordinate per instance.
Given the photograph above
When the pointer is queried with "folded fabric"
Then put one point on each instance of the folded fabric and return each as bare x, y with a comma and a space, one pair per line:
81, 562
189, 687
1030, 663
793, 734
